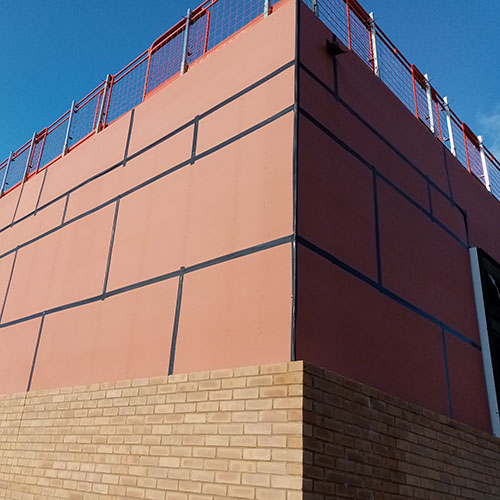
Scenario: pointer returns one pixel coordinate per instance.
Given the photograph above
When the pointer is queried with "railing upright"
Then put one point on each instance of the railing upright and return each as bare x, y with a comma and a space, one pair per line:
373, 45
267, 7
450, 127
486, 174
105, 92
68, 129
428, 92
4, 179
30, 154
414, 84
184, 63
348, 13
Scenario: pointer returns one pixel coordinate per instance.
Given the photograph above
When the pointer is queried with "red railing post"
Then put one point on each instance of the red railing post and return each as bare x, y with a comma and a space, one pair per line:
438, 120
147, 75
205, 45
414, 89
348, 9
108, 100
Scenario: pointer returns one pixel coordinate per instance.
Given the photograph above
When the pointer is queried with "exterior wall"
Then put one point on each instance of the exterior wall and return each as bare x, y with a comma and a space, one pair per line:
203, 436
361, 443
163, 243
290, 431
385, 219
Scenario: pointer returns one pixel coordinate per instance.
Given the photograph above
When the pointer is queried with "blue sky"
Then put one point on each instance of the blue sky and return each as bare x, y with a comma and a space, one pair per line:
58, 50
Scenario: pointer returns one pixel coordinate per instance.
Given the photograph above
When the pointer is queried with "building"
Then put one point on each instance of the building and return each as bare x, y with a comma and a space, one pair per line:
258, 279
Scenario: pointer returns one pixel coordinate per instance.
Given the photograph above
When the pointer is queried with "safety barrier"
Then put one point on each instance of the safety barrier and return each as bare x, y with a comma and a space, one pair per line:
206, 27
171, 54
358, 31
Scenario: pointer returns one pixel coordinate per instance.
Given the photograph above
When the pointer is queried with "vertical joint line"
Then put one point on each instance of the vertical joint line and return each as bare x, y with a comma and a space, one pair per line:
8, 284
129, 135
176, 322
429, 194
448, 391
377, 228
65, 209
110, 251
40, 192
195, 138
35, 354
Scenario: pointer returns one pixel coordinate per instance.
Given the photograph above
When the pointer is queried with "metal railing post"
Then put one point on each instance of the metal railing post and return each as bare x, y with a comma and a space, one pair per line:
30, 154
428, 92
68, 128
486, 174
184, 62
103, 103
4, 180
267, 8
450, 128
373, 37
414, 84
315, 7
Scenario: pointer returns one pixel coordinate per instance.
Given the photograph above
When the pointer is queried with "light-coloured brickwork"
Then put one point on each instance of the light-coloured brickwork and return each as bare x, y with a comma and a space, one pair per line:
363, 444
234, 433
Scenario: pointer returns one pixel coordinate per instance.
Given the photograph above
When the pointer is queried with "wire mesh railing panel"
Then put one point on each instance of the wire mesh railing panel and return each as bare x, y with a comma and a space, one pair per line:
198, 37
165, 61
54, 143
84, 119
395, 75
360, 39
334, 14
475, 162
458, 141
494, 174
127, 91
17, 167
422, 104
36, 156
229, 16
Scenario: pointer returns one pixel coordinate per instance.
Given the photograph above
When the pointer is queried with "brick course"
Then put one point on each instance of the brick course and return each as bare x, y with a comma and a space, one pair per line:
234, 433
290, 431
364, 444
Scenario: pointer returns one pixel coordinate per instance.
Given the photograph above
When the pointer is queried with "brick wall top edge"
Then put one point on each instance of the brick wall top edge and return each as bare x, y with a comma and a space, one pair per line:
318, 381
269, 375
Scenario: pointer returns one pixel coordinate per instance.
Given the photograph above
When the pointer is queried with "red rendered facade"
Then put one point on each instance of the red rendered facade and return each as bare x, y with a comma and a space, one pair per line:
293, 209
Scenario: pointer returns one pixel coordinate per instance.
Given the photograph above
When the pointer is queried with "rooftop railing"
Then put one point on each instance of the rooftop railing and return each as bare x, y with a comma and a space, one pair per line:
209, 25
200, 31
358, 31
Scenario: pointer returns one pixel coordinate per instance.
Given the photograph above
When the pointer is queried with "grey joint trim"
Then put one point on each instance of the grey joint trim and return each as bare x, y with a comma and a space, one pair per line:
40, 192
175, 330
110, 251
129, 136
65, 208
195, 138
4, 303
35, 354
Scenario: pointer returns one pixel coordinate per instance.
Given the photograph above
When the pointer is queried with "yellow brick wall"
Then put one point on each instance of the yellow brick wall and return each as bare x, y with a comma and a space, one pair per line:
233, 433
